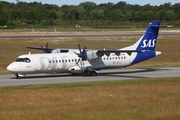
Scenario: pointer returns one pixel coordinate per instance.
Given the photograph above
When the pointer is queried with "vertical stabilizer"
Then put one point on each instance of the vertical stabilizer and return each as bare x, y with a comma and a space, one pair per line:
148, 40
147, 43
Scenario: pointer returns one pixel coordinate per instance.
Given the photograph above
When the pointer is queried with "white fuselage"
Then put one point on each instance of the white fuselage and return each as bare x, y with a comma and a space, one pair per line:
66, 62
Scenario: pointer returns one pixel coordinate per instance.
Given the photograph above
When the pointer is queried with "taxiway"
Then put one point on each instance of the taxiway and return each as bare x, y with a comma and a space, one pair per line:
103, 75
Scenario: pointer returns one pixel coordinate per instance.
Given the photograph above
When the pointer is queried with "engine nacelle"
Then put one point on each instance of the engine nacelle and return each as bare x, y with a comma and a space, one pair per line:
91, 54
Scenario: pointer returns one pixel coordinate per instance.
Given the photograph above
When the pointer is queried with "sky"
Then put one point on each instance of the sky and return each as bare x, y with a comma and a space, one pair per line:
77, 2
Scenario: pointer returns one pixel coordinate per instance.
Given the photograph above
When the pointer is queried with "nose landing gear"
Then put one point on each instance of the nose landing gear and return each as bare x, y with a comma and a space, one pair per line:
19, 76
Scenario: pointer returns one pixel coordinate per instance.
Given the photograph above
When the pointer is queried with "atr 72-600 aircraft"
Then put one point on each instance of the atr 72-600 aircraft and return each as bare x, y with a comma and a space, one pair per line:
78, 61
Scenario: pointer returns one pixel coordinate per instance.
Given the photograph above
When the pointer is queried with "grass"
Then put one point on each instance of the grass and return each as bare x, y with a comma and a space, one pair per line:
137, 99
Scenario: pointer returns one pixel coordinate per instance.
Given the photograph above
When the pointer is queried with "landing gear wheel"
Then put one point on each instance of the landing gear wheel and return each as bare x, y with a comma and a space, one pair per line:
93, 73
18, 76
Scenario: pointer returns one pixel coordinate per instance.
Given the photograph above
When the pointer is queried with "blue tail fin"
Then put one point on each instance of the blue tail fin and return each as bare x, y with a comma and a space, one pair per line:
148, 40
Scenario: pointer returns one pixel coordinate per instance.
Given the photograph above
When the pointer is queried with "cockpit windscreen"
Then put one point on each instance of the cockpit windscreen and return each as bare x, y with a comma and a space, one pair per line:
27, 60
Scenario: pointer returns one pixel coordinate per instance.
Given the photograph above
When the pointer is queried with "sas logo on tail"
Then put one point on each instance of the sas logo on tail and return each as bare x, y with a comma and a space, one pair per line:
148, 43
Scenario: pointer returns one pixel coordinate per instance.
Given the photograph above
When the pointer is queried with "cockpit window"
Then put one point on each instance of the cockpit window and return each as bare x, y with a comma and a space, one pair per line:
27, 60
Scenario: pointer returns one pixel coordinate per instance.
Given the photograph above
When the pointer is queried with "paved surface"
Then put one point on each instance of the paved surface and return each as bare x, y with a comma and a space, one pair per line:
103, 75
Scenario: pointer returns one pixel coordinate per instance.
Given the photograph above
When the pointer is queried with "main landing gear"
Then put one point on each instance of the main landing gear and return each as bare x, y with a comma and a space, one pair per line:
92, 73
87, 72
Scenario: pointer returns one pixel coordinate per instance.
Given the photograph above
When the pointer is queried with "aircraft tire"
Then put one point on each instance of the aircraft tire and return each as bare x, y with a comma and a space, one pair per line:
93, 73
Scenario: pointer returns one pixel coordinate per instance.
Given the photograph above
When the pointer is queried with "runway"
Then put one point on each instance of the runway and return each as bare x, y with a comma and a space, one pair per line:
103, 75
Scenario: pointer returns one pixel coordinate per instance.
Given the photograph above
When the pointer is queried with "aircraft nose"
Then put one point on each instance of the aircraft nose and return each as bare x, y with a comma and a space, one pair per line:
11, 68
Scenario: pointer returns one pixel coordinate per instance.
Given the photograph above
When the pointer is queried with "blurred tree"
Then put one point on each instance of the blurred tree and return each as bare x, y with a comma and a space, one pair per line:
162, 15
40, 11
170, 15
31, 13
81, 12
97, 14
3, 21
86, 13
51, 15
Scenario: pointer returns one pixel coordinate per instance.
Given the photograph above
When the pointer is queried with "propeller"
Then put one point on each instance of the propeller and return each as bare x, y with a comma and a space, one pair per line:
82, 54
46, 50
82, 57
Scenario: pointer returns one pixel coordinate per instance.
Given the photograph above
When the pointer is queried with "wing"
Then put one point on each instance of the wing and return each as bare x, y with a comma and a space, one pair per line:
45, 49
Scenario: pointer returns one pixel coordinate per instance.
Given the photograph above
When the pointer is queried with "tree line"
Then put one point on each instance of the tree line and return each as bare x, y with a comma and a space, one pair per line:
86, 14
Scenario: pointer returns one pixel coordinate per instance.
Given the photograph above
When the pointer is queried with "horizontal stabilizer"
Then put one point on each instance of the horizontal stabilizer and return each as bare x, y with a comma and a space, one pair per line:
154, 24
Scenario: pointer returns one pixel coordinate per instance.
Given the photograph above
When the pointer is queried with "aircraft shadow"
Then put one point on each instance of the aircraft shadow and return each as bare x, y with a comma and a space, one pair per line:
128, 73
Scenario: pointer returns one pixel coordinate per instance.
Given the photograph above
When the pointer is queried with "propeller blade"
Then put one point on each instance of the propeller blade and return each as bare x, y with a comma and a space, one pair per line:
47, 47
79, 47
82, 54
84, 49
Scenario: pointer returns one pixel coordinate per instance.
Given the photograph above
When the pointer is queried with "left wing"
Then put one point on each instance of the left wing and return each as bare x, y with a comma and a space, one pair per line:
45, 49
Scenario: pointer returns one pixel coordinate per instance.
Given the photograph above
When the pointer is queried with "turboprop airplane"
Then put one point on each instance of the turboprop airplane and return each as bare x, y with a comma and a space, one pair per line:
77, 61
